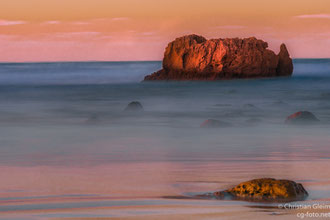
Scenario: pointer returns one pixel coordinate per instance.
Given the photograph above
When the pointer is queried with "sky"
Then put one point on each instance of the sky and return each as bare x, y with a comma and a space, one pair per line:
127, 30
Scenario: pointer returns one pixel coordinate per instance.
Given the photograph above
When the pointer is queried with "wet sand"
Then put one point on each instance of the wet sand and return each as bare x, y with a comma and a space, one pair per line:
137, 190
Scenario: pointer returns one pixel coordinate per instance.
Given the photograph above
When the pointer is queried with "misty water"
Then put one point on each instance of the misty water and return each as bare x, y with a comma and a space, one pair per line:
64, 119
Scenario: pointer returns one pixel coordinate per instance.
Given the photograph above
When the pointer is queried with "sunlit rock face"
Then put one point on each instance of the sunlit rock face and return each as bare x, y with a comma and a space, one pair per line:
193, 57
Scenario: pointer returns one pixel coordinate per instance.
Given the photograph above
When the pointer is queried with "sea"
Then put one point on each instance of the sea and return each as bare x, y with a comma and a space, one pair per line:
69, 150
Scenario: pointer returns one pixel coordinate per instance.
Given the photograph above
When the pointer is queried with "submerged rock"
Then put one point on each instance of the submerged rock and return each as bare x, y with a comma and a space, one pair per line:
302, 117
265, 190
212, 123
193, 57
134, 106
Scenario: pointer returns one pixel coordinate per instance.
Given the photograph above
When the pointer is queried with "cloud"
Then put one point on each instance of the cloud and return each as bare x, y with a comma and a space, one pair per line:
148, 33
324, 16
120, 19
8, 23
50, 22
230, 27
75, 35
7, 37
85, 33
80, 23
90, 33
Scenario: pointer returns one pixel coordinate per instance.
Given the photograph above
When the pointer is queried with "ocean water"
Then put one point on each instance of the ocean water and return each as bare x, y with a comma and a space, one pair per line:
67, 148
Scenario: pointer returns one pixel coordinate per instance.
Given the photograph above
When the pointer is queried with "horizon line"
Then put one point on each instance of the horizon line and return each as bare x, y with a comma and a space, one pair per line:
126, 61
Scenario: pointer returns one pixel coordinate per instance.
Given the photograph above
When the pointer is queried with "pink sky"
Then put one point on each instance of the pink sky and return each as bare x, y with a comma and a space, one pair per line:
72, 30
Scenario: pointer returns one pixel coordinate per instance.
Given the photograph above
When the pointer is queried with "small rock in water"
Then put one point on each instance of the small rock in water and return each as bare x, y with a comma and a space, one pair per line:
265, 190
302, 117
134, 106
212, 123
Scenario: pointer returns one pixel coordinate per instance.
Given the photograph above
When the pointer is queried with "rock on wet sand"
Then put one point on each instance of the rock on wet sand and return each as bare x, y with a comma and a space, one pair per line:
265, 190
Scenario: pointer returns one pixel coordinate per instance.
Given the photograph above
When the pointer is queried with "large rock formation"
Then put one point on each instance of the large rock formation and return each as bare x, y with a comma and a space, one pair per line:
193, 57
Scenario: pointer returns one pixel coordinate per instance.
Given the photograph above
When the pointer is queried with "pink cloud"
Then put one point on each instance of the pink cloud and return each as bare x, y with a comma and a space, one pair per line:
8, 22
79, 46
80, 23
323, 16
52, 22
230, 27
120, 19
83, 33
